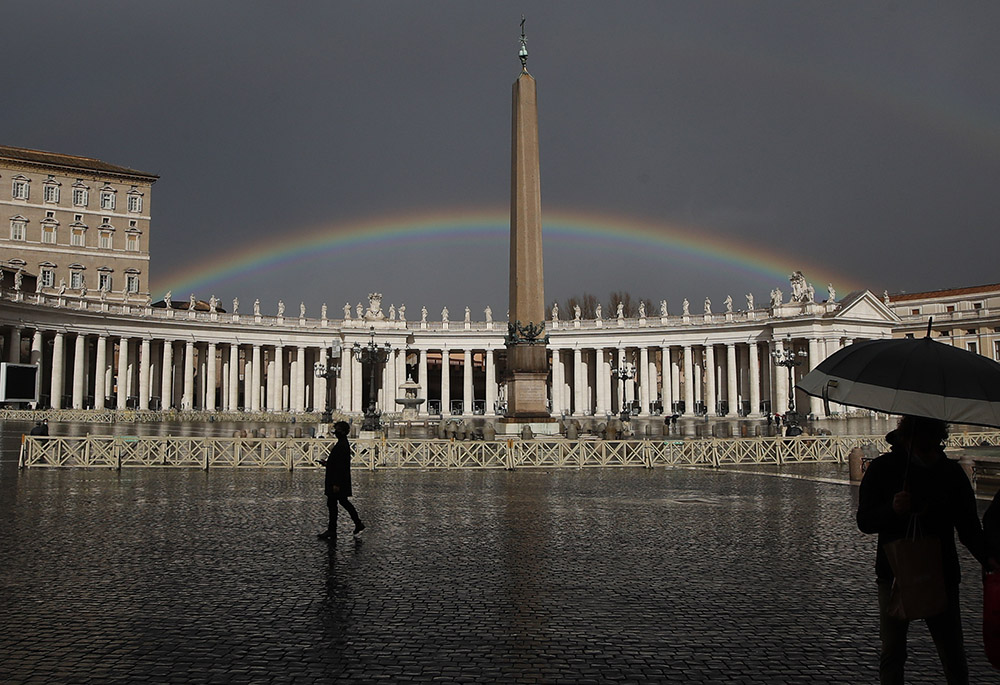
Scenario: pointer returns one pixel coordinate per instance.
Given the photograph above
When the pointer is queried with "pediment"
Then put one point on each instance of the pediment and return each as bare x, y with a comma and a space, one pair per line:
866, 306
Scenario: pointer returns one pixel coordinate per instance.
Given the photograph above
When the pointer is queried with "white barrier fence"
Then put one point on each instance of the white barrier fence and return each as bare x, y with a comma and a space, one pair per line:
294, 453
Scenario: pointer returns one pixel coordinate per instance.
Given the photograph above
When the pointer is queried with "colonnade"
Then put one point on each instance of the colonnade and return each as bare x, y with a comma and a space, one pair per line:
726, 366
725, 379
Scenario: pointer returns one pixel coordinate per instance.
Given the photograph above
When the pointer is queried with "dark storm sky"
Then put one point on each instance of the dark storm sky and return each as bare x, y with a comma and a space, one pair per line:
861, 139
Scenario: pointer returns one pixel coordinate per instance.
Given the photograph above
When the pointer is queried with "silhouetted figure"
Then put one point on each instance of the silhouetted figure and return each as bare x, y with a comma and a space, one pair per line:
40, 428
338, 482
915, 480
991, 531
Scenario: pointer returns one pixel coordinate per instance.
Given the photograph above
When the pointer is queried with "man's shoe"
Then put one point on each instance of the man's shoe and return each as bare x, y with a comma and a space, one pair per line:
326, 535
358, 529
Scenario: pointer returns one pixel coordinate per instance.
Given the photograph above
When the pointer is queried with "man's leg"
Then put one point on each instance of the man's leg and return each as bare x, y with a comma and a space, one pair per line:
946, 630
349, 508
892, 633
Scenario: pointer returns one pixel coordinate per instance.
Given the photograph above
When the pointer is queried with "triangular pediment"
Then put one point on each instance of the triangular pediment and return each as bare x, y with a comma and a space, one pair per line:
864, 305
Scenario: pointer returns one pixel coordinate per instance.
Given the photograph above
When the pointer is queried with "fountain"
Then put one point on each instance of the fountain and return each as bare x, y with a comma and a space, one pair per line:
409, 400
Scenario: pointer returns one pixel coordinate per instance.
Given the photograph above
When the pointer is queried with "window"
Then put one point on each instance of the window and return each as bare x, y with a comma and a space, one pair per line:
78, 238
49, 234
50, 191
915, 312
107, 198
972, 347
977, 305
105, 240
132, 283
18, 228
950, 308
996, 350
132, 242
76, 279
19, 188
104, 281
78, 217
47, 277
135, 203
80, 197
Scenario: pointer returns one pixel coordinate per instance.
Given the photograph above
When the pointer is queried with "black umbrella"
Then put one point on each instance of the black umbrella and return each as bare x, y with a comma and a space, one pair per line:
919, 377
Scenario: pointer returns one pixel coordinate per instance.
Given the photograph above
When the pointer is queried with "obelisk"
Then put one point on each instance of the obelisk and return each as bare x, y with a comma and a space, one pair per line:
527, 357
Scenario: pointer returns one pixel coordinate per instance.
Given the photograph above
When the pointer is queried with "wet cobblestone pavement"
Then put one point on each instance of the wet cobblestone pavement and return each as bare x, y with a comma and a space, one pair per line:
594, 576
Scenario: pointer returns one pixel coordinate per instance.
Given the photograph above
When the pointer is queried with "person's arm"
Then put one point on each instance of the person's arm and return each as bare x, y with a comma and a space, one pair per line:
970, 532
875, 511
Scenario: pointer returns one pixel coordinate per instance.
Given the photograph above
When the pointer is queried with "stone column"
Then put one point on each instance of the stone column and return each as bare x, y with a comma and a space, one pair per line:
732, 391
199, 376
780, 380
558, 382
167, 382
579, 383
213, 381
467, 382
603, 376
676, 362
445, 383
666, 390
300, 379
122, 378
689, 381
422, 380
233, 384
14, 356
644, 381
710, 380
187, 400
754, 354
79, 365
357, 385
57, 381
248, 387
491, 383
278, 402
320, 390
100, 366
255, 369
144, 364
816, 350
269, 383
36, 350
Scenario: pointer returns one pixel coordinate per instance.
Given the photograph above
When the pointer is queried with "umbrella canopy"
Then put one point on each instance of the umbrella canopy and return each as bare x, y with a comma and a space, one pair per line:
919, 377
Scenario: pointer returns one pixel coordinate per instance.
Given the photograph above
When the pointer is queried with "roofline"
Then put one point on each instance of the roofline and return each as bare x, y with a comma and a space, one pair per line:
944, 292
95, 165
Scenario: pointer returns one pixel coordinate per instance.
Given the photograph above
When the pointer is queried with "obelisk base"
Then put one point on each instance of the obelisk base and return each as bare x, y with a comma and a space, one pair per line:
527, 396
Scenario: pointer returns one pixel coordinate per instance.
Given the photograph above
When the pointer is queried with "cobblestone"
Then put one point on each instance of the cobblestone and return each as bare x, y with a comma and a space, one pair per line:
617, 575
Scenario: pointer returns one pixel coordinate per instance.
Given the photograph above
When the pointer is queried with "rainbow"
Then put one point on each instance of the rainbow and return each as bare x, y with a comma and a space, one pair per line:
587, 230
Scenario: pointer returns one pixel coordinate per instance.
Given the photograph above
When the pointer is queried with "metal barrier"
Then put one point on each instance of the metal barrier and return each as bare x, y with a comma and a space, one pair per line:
294, 453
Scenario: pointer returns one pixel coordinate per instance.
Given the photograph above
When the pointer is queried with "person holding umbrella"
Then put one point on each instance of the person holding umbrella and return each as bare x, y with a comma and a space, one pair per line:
916, 485
338, 483
913, 497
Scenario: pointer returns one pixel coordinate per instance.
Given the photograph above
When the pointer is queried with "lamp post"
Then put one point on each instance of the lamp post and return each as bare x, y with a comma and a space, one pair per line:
623, 373
329, 369
789, 359
374, 355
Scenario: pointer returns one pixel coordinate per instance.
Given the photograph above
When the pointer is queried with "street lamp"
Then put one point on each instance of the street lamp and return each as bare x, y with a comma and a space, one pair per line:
623, 373
329, 369
789, 359
373, 355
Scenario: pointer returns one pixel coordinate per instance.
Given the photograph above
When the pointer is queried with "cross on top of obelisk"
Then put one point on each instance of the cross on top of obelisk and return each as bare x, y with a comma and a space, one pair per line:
523, 52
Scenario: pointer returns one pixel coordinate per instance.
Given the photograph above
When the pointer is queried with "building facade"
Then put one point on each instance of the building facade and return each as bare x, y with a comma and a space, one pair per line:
76, 225
965, 317
103, 354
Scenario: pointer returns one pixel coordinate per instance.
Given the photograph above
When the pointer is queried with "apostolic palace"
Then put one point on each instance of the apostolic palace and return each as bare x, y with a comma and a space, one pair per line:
75, 301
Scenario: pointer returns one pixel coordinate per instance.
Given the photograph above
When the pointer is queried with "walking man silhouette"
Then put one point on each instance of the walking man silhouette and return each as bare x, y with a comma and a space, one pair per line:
338, 483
